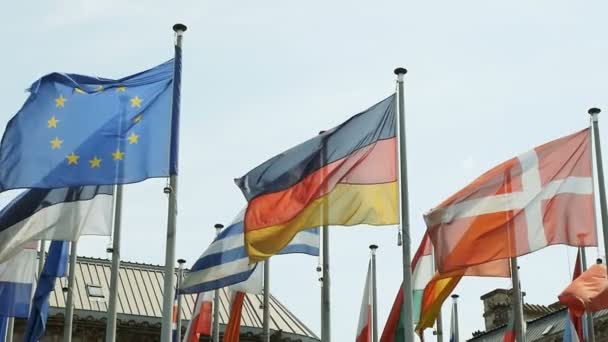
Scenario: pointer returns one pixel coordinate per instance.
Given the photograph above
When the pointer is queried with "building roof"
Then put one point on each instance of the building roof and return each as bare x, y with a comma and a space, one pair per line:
140, 293
547, 325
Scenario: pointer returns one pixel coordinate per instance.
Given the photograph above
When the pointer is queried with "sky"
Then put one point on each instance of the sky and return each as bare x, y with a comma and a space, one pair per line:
486, 80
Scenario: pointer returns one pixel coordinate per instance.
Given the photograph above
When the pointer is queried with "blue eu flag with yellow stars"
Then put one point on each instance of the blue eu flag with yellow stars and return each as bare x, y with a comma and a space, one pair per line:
78, 130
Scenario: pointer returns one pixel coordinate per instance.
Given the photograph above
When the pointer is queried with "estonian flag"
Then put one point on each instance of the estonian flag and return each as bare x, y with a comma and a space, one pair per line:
55, 214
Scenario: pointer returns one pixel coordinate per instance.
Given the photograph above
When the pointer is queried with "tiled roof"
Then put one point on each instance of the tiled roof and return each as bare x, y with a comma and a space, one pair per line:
140, 292
536, 329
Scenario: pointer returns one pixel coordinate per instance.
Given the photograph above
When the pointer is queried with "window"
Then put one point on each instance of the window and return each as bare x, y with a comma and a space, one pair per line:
95, 292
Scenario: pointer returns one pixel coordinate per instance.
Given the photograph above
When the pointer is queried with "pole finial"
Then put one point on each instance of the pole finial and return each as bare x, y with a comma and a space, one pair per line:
400, 71
219, 226
455, 296
598, 261
179, 28
594, 111
373, 247
181, 261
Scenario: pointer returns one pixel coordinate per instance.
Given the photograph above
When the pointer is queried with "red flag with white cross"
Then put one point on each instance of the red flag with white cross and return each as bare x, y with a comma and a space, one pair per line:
542, 197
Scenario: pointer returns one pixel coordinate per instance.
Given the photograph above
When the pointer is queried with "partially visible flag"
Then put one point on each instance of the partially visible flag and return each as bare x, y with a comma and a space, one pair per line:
233, 328
78, 130
55, 266
364, 328
587, 293
350, 170
174, 333
200, 323
540, 198
430, 290
577, 321
17, 278
570, 332
509, 335
55, 214
225, 261
3, 328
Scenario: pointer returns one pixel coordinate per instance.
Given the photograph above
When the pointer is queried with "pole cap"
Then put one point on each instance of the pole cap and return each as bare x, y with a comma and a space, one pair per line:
373, 247
219, 226
455, 296
179, 27
181, 261
400, 71
593, 111
598, 261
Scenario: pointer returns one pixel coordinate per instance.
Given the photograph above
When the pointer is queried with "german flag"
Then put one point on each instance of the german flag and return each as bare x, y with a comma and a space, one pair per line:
345, 176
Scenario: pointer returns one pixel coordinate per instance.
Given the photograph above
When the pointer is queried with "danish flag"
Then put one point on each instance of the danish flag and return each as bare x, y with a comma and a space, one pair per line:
540, 198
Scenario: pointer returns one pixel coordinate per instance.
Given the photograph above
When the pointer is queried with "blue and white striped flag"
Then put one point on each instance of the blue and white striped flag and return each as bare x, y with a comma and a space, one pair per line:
17, 278
225, 262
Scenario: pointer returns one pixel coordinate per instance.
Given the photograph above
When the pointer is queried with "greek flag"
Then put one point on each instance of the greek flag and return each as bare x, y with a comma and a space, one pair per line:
225, 262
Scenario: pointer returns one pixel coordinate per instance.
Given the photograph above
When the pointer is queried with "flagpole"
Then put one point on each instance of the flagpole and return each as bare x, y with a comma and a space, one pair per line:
166, 326
455, 326
405, 221
266, 318
41, 252
373, 249
114, 272
589, 334
180, 275
325, 284
594, 112
439, 321
215, 331
69, 306
517, 302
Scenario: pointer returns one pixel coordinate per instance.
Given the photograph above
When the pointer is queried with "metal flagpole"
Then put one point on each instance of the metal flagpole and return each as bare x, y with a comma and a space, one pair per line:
594, 112
41, 252
373, 248
325, 284
215, 331
439, 321
407, 309
517, 302
266, 318
588, 332
69, 306
180, 275
115, 250
166, 326
455, 326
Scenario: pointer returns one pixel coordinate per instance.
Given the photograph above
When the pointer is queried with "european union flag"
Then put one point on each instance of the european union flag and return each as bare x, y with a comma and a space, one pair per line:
78, 130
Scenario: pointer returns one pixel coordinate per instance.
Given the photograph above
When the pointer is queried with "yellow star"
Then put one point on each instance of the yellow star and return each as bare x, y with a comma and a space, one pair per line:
133, 138
121, 89
60, 101
73, 158
135, 102
95, 162
52, 122
118, 155
56, 143
137, 118
79, 91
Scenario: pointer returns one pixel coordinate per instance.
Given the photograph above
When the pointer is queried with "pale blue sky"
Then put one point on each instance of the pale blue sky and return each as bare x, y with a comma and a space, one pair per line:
487, 80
